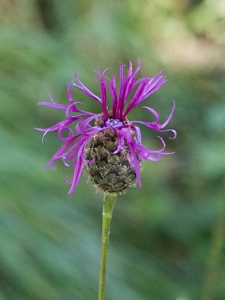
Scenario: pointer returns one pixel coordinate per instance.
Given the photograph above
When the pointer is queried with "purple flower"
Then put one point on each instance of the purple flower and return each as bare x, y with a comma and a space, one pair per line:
86, 125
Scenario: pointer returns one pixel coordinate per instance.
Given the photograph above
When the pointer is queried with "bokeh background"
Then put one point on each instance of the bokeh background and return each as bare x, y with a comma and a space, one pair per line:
167, 238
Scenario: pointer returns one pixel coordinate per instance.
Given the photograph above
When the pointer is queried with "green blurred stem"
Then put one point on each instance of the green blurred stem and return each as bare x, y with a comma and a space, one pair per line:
108, 204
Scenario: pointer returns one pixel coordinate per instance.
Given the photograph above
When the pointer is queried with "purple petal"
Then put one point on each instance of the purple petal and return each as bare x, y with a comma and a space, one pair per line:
59, 153
126, 85
113, 91
145, 89
137, 98
154, 84
54, 105
153, 112
155, 125
170, 115
81, 126
84, 89
103, 92
78, 167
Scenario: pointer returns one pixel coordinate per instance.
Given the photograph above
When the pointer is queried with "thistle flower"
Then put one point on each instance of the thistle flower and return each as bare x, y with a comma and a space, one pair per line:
107, 143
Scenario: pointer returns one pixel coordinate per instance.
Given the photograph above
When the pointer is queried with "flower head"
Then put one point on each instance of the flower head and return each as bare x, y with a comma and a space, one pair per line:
107, 143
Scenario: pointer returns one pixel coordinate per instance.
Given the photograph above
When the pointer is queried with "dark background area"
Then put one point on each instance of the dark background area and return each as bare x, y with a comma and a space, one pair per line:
167, 238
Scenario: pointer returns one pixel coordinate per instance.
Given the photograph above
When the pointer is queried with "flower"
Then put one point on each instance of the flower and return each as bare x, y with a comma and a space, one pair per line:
107, 143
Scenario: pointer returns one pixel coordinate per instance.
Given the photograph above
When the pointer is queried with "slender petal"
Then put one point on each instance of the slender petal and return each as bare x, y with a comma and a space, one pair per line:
84, 89
103, 93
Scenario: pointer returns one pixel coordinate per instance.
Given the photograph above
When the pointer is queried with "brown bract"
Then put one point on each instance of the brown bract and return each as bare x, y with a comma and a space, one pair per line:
110, 172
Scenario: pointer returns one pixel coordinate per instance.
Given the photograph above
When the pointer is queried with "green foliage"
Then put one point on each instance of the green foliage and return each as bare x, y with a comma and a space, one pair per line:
167, 238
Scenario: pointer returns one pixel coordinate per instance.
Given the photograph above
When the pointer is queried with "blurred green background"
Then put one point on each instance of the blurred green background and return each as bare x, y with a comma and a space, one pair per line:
167, 238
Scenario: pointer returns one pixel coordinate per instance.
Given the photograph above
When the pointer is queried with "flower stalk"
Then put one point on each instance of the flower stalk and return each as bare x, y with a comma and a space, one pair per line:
108, 204
107, 144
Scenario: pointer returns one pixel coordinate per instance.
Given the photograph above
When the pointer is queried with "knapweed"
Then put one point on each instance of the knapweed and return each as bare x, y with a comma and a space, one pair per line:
108, 143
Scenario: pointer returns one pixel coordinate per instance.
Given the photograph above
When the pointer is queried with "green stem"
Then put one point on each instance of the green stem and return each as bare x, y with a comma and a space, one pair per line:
108, 204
